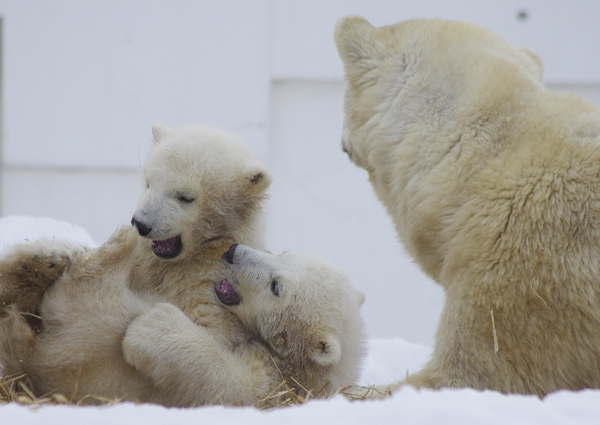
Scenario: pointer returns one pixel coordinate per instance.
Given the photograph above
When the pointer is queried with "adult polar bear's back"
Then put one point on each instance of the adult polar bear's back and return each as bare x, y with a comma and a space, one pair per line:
493, 184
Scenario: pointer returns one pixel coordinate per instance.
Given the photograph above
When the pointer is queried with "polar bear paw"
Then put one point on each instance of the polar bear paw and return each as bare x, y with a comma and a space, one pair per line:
27, 270
153, 337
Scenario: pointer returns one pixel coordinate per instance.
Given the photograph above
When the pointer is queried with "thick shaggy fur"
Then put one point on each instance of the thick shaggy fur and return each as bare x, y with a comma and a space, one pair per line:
307, 332
205, 191
493, 184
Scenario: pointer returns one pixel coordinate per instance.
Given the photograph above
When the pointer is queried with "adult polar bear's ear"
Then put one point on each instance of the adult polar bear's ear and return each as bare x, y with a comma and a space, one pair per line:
258, 177
355, 41
360, 296
535, 64
326, 350
159, 133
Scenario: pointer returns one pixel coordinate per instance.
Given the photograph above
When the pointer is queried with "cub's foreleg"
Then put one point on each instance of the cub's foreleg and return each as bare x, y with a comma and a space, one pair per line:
189, 365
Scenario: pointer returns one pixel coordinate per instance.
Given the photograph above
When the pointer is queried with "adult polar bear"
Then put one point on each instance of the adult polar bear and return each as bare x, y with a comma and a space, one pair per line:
493, 184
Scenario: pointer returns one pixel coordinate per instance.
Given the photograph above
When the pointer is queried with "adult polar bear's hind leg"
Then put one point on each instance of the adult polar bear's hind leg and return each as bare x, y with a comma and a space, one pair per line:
493, 184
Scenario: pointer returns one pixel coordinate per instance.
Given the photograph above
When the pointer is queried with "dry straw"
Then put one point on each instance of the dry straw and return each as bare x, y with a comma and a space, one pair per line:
13, 390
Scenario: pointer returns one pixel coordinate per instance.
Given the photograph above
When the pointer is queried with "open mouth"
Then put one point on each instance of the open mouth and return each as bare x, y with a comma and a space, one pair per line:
167, 248
226, 293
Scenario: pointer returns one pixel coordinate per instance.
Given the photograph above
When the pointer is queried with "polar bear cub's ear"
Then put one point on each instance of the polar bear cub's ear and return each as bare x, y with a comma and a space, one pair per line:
326, 350
354, 39
258, 177
159, 133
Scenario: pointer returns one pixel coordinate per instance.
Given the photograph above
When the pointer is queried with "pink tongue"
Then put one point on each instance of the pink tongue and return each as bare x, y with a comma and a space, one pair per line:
226, 293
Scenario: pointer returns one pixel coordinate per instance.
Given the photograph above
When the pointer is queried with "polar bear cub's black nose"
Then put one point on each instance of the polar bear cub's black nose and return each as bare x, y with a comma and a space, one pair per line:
142, 229
228, 256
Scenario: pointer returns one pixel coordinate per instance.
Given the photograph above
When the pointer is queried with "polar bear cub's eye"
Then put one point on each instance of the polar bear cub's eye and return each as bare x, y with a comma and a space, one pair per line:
185, 198
275, 288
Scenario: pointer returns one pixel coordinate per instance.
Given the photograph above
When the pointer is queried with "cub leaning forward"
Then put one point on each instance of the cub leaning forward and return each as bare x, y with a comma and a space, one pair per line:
493, 184
204, 191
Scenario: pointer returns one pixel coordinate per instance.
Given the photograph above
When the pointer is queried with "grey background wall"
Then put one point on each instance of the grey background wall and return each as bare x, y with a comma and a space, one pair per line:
83, 81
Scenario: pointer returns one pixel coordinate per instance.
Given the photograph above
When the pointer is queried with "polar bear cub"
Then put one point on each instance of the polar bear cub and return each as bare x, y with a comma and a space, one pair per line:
304, 329
64, 310
492, 183
305, 311
201, 186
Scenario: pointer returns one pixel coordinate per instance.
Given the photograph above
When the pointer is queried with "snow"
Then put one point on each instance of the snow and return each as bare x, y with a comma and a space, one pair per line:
406, 406
18, 229
388, 360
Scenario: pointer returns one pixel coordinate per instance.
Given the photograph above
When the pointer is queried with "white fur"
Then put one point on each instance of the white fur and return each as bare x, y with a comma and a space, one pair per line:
177, 196
93, 295
492, 183
310, 335
316, 307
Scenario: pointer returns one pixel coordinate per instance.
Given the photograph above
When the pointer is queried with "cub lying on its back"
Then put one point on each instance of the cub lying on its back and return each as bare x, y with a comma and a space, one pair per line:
493, 184
203, 193
304, 327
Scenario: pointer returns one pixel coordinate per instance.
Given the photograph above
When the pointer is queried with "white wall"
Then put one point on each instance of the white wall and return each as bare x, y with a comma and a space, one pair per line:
84, 80
563, 33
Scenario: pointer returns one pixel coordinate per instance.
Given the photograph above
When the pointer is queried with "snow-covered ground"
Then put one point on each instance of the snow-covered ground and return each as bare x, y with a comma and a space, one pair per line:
408, 406
388, 360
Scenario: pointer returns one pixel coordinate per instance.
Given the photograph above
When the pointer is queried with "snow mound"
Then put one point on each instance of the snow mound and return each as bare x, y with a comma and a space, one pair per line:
19, 229
389, 360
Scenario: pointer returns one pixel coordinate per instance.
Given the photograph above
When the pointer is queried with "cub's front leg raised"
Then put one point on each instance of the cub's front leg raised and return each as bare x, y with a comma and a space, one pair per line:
187, 365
